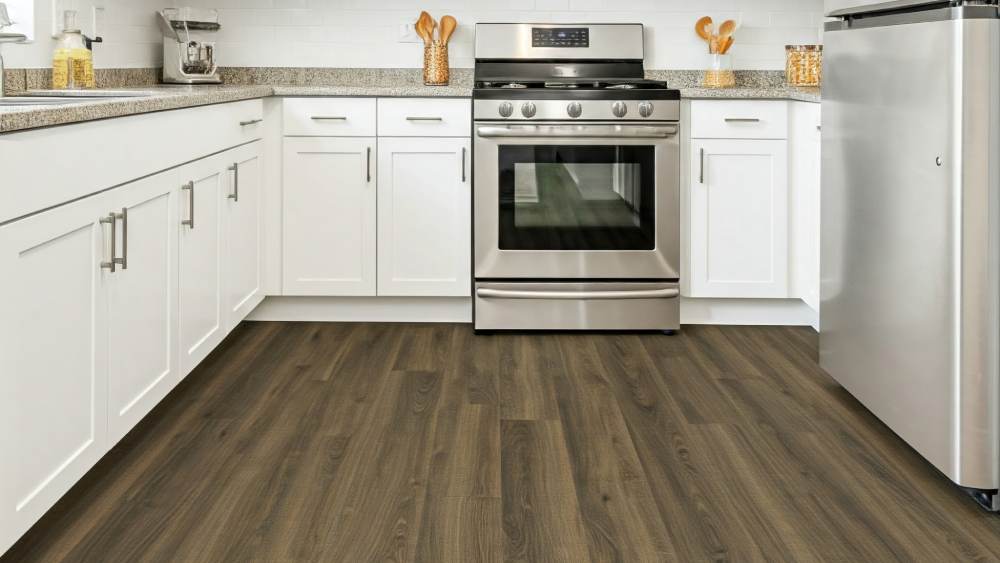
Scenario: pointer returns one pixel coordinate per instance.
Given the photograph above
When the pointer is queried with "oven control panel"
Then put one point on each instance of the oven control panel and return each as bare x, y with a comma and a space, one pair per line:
560, 37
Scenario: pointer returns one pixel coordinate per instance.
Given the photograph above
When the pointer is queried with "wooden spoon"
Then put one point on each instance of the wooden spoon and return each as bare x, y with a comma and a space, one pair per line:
433, 27
703, 27
727, 45
424, 28
448, 25
726, 29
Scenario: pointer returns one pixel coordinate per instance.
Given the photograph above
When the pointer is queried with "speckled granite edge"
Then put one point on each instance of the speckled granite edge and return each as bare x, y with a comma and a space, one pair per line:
750, 84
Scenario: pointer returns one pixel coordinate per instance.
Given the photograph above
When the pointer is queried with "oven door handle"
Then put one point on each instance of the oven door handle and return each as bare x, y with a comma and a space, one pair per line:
578, 131
487, 293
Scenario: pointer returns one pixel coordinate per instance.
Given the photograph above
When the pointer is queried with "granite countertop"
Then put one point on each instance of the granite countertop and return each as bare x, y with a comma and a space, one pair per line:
252, 83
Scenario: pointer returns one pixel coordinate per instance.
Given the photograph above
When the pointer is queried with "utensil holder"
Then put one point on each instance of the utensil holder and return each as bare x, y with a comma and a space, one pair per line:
804, 65
719, 73
436, 71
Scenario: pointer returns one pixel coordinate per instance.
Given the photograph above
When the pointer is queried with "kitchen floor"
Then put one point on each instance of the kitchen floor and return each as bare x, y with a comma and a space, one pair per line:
378, 442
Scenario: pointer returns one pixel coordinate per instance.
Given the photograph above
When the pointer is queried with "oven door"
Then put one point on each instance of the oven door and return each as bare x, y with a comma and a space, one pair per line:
577, 201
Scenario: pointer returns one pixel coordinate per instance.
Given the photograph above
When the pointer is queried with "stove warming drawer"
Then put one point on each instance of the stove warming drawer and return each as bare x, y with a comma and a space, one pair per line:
577, 306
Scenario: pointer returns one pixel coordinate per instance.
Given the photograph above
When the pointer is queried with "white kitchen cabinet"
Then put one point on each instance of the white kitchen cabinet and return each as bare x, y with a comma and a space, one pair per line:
739, 218
243, 221
424, 222
200, 302
804, 152
53, 369
142, 301
329, 216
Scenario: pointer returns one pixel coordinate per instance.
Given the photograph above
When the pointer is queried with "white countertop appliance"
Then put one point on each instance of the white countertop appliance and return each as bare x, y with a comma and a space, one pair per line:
577, 181
910, 313
188, 52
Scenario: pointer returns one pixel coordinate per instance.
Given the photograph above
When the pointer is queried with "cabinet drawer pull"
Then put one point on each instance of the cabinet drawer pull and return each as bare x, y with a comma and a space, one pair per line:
425, 118
250, 122
190, 189
329, 118
742, 120
463, 164
113, 263
701, 173
123, 261
235, 169
368, 164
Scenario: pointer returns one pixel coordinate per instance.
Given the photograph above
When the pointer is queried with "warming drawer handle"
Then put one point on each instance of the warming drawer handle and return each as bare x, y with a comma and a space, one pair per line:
487, 293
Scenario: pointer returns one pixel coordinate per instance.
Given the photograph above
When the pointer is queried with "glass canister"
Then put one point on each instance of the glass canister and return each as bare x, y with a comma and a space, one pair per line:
719, 73
804, 65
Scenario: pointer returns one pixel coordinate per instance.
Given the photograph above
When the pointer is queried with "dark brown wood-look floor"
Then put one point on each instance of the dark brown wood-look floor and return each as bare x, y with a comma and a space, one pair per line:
366, 442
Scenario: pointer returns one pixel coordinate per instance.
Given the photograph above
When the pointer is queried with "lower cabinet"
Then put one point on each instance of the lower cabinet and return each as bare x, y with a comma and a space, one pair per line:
142, 300
112, 300
53, 325
328, 247
739, 218
243, 220
424, 214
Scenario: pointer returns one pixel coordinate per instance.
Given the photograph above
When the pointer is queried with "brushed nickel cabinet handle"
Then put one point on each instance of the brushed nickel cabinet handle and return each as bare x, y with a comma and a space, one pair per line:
235, 169
329, 118
463, 164
190, 189
742, 120
487, 293
250, 122
123, 261
411, 118
701, 173
113, 263
369, 164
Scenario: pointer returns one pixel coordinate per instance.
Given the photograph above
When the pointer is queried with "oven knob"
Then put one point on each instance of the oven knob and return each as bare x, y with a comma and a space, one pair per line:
619, 109
646, 109
506, 109
528, 110
574, 109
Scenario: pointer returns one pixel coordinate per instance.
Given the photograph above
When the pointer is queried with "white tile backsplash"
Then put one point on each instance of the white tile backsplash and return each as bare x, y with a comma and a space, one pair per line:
364, 33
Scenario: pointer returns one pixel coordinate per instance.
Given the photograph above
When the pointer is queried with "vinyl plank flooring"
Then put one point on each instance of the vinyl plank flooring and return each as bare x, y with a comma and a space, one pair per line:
300, 442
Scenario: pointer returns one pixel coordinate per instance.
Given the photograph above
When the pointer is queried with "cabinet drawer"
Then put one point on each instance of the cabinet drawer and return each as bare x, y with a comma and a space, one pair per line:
330, 117
424, 117
739, 119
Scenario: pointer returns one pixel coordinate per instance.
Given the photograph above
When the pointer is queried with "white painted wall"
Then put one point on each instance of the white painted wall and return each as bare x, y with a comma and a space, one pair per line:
364, 33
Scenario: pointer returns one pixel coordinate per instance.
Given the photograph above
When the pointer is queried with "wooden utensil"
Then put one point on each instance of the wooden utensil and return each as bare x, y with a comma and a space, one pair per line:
703, 27
727, 45
424, 29
726, 30
433, 27
448, 25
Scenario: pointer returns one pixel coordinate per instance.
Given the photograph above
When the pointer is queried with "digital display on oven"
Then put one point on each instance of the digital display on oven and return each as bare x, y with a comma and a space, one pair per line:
560, 37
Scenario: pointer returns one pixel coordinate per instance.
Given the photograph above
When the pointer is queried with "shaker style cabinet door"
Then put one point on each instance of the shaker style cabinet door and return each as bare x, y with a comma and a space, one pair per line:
243, 219
739, 218
329, 216
53, 357
203, 190
142, 301
424, 217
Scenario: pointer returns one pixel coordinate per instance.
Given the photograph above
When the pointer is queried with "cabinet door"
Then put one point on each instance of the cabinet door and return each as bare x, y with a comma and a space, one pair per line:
53, 358
244, 238
424, 221
142, 301
739, 218
201, 315
804, 197
328, 216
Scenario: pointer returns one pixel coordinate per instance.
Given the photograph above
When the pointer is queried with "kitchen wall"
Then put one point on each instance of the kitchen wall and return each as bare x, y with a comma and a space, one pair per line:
132, 39
365, 33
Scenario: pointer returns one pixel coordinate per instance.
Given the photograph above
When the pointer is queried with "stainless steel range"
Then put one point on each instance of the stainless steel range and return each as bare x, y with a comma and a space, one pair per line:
577, 180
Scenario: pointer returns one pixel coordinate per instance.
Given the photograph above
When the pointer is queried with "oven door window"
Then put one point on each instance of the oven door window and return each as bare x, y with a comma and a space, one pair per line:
574, 197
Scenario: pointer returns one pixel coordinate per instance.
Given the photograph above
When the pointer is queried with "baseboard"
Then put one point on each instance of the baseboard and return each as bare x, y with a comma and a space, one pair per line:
781, 312
365, 309
785, 312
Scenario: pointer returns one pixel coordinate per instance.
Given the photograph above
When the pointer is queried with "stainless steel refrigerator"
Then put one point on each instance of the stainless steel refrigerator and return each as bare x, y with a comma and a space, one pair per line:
910, 315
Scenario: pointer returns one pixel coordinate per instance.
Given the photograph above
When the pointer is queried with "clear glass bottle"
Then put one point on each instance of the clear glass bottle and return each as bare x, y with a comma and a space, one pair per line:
72, 61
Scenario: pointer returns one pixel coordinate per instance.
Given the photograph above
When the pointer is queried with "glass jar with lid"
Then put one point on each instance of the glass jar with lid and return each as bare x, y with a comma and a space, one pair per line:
804, 65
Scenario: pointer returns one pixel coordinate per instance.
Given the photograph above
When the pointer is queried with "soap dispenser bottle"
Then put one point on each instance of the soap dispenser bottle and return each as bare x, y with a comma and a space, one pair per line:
73, 60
